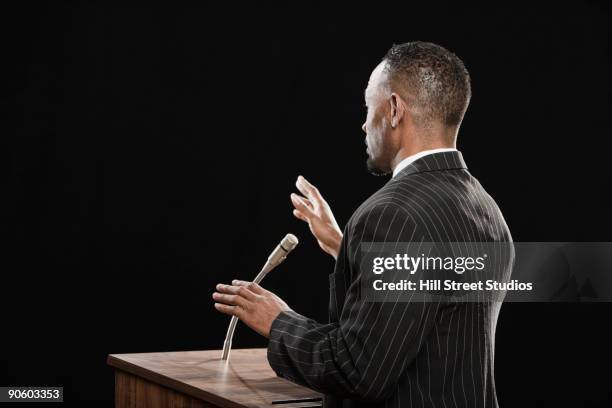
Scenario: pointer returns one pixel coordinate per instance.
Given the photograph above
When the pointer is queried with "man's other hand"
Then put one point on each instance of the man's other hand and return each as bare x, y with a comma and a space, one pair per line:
313, 209
253, 305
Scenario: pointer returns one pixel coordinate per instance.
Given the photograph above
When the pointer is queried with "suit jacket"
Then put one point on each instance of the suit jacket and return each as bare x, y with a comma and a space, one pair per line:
388, 354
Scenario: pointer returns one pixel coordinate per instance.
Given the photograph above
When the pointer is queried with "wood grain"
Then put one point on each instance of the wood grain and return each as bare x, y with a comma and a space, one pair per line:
246, 380
135, 392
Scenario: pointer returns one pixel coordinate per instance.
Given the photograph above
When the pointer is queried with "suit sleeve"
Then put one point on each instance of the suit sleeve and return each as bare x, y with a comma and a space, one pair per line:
363, 355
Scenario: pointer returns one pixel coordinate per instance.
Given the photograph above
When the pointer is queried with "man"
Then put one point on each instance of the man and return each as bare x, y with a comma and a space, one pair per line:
393, 354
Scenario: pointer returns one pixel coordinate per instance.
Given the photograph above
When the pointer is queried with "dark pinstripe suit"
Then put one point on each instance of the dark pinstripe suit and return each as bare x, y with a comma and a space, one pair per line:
396, 354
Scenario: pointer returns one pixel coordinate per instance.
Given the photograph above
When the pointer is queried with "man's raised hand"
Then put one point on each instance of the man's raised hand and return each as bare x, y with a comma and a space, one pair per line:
313, 209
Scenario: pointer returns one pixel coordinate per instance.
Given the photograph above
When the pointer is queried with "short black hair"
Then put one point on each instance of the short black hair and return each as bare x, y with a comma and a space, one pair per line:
434, 81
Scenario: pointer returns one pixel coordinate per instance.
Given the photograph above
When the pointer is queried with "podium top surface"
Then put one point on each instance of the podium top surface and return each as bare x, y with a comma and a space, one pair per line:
245, 380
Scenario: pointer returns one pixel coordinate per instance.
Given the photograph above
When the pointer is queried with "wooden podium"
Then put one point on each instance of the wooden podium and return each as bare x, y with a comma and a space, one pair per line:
197, 379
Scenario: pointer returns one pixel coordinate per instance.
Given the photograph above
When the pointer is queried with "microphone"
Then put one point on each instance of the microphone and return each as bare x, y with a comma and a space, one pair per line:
277, 256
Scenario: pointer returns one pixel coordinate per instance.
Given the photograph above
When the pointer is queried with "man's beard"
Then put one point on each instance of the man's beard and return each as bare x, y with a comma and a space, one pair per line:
373, 169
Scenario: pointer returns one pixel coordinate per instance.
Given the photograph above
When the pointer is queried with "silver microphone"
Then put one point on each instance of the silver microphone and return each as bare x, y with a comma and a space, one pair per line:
277, 256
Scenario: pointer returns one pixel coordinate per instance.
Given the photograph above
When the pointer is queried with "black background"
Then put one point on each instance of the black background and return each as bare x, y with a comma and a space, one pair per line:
150, 154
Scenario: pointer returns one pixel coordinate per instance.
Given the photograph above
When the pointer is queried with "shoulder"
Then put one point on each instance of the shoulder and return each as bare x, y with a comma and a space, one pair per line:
425, 201
382, 219
378, 207
411, 195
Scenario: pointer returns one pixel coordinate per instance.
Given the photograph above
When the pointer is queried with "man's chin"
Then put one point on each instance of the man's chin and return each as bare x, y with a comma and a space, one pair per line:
374, 169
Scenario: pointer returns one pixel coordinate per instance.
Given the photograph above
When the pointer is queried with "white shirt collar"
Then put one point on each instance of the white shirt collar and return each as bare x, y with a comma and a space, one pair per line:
410, 159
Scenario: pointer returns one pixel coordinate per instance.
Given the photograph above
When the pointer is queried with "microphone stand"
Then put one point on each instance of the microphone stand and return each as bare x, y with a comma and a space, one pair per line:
227, 344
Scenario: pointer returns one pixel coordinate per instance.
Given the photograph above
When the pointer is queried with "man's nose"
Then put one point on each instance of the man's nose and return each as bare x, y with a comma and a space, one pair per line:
363, 128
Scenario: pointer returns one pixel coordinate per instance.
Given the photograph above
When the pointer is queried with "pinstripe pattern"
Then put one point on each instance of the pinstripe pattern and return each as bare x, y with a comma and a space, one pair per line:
392, 353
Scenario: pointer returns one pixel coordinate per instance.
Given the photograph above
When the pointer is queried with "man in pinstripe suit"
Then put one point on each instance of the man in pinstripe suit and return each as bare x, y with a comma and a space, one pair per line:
393, 354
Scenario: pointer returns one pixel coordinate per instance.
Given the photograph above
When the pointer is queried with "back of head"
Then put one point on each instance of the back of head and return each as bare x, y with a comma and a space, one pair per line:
432, 80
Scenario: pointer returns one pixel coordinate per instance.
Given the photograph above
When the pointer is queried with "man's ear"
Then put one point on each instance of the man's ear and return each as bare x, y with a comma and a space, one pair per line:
397, 109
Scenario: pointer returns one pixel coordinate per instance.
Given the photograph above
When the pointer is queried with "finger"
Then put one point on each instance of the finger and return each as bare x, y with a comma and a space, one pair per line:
241, 291
233, 300
302, 199
310, 191
299, 215
298, 199
300, 205
228, 310
257, 289
251, 286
